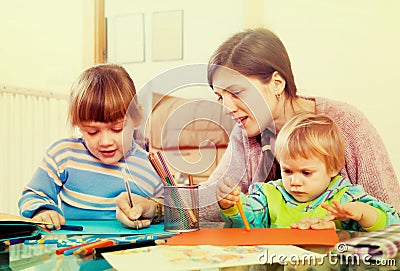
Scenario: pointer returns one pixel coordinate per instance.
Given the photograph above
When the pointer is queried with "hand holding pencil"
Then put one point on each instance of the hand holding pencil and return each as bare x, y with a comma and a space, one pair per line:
49, 216
228, 195
139, 215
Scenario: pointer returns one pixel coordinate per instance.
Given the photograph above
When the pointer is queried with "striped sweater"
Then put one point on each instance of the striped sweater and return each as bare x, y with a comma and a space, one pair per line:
366, 157
71, 181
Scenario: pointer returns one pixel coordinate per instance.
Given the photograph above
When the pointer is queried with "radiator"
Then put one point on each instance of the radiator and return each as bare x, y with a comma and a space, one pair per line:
30, 122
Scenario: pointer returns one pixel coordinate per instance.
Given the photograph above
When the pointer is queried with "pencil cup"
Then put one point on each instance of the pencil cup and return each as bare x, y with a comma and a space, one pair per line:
181, 208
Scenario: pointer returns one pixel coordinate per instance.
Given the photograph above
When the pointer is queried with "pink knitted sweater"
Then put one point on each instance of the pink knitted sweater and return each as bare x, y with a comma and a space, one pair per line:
367, 160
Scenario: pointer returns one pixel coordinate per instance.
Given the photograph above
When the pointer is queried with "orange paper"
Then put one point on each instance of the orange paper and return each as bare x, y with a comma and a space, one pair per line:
256, 236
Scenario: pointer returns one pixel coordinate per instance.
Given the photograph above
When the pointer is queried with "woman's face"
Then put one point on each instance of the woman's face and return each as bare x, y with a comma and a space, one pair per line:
247, 99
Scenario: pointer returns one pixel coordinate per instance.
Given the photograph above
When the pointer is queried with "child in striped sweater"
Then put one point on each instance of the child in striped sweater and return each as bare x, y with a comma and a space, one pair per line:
79, 178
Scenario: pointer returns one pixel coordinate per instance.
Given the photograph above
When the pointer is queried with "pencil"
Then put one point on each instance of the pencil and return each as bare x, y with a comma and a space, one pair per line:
62, 250
165, 167
127, 188
88, 249
191, 183
71, 228
245, 222
190, 177
118, 247
158, 168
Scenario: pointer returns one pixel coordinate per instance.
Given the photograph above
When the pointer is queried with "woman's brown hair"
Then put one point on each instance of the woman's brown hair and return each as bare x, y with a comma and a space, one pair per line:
255, 53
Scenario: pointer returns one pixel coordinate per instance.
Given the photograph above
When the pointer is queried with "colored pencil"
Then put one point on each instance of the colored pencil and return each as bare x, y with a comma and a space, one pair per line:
245, 222
62, 250
127, 188
158, 168
165, 167
99, 250
71, 228
190, 177
88, 249
162, 170
193, 198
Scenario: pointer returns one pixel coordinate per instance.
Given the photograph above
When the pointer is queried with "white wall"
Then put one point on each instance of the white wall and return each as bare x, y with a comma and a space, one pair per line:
41, 43
206, 25
346, 50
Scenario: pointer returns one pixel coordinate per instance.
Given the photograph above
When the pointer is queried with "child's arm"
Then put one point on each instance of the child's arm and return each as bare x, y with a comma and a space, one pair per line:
227, 193
255, 204
365, 214
41, 193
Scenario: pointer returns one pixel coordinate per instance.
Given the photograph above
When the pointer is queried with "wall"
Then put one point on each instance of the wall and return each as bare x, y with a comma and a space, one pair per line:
206, 25
41, 44
346, 50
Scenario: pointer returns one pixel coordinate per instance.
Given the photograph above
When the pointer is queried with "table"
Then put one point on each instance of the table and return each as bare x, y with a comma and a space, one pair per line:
43, 257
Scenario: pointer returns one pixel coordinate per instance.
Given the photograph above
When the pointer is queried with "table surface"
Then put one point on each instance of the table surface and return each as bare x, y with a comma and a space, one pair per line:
43, 257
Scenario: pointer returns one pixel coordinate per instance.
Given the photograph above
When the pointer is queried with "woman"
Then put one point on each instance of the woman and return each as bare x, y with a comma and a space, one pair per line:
251, 71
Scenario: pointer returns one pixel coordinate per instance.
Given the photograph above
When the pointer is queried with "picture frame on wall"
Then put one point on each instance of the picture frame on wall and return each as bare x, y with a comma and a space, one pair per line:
167, 35
128, 40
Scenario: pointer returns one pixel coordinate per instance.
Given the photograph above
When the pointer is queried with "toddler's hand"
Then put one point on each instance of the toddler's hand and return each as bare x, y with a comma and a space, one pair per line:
50, 216
227, 193
315, 223
350, 210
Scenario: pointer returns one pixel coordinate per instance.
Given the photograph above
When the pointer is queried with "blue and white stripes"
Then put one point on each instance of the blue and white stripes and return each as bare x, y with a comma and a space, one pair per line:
73, 182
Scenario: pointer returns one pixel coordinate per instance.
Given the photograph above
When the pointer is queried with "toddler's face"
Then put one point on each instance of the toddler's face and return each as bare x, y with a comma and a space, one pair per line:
104, 140
305, 179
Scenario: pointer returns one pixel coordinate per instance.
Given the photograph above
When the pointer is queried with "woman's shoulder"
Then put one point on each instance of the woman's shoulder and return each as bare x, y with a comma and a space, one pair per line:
336, 108
344, 114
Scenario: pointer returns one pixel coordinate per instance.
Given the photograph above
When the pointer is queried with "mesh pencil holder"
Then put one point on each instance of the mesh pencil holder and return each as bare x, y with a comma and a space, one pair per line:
181, 208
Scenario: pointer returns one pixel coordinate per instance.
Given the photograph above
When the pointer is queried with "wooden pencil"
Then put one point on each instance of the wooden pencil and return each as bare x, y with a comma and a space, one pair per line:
245, 222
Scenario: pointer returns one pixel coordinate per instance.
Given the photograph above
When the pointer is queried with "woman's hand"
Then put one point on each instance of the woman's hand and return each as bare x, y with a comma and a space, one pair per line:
227, 193
314, 223
50, 216
143, 208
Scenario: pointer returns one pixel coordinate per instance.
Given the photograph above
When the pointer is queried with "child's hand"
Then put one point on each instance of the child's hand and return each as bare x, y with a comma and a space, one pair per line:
345, 211
365, 214
315, 223
137, 217
227, 193
50, 216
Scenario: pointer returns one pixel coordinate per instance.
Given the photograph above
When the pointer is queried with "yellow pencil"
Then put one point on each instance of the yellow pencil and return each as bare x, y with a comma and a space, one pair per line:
245, 222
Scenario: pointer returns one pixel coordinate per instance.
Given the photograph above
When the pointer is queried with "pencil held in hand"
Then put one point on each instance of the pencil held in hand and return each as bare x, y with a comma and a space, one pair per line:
245, 222
127, 188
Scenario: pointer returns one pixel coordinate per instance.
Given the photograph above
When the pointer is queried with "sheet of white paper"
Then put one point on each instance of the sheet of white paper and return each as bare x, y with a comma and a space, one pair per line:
167, 258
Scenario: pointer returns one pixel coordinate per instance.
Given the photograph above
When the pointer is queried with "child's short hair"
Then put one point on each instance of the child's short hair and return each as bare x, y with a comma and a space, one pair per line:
103, 93
310, 135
